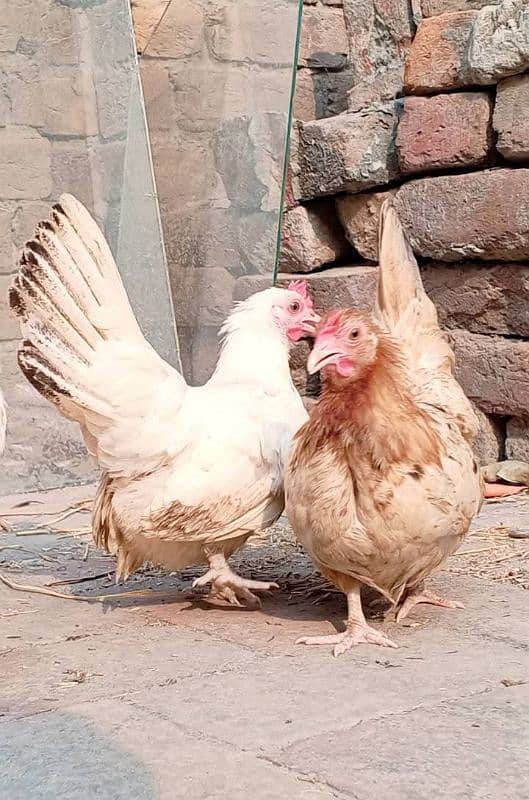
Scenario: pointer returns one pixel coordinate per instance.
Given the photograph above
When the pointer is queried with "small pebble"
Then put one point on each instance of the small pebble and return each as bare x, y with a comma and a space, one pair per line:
516, 533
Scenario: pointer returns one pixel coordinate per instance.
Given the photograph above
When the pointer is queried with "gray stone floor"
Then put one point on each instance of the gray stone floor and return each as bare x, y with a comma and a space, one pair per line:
158, 697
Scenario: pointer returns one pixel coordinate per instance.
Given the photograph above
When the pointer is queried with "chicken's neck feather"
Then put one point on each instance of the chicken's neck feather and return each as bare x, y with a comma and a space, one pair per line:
378, 414
254, 350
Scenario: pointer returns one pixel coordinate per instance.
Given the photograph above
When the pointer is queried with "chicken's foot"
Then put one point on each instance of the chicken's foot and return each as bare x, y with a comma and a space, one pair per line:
356, 632
421, 595
228, 588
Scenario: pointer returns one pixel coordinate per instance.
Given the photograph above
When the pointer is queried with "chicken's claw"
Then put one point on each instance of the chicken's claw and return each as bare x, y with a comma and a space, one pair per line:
352, 636
424, 596
228, 588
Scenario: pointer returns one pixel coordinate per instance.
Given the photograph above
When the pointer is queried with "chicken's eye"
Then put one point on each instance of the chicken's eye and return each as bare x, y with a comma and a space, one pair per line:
354, 334
294, 307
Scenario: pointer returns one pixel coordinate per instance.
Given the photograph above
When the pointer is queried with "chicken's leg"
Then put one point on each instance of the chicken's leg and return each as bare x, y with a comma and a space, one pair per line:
421, 595
357, 630
229, 588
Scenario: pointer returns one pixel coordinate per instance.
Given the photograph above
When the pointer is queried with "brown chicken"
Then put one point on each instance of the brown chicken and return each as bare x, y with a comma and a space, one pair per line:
382, 484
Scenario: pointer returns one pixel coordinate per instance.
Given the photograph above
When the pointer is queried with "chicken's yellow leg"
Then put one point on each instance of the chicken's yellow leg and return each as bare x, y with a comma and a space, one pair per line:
357, 630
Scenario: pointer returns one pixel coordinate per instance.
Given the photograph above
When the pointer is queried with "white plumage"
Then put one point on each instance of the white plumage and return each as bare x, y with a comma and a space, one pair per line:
188, 473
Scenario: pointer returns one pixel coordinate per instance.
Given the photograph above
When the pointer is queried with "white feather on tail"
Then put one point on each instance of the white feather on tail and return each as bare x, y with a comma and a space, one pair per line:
83, 348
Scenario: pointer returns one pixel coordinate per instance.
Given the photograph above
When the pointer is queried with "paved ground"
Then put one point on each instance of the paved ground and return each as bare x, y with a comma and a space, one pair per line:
158, 697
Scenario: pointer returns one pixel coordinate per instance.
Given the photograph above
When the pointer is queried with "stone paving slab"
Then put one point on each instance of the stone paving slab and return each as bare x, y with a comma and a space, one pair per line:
155, 699
114, 751
470, 748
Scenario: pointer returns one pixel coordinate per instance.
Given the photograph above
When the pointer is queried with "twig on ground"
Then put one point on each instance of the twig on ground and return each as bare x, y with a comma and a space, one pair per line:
98, 598
73, 509
479, 550
84, 579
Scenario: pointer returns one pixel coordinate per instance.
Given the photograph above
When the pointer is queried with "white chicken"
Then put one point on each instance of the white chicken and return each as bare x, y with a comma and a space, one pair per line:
188, 472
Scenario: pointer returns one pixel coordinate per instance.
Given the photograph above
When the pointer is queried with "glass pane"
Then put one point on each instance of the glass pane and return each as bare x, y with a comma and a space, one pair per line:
217, 80
72, 120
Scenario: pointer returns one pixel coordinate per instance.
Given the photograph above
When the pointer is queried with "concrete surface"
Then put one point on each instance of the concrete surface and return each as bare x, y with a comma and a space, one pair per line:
159, 697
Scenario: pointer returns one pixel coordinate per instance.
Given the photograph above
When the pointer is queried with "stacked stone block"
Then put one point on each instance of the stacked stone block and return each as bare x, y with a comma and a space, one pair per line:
438, 117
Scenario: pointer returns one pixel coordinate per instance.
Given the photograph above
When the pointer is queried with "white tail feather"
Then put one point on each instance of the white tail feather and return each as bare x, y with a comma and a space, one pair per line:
83, 348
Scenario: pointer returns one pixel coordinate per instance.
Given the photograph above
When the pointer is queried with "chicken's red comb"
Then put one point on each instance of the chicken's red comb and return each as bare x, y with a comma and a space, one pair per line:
331, 324
302, 288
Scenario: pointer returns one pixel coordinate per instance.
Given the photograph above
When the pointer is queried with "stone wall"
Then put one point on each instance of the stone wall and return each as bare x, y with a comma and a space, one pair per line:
71, 120
428, 101
216, 79
53, 127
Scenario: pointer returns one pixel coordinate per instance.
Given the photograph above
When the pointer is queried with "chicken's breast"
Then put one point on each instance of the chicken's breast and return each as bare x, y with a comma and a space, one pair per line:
389, 529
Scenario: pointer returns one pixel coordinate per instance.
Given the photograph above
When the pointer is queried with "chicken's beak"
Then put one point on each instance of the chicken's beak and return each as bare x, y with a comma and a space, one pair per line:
323, 352
308, 323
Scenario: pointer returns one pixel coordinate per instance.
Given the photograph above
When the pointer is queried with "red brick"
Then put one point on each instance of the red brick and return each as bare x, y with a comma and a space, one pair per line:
444, 132
436, 59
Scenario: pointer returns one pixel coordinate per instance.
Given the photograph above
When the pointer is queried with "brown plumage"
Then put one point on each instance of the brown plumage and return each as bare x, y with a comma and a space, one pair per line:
382, 485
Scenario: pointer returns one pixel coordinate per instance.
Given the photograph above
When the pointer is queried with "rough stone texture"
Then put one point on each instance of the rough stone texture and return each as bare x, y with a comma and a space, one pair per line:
333, 288
494, 372
444, 132
70, 106
323, 33
245, 150
43, 449
9, 328
517, 441
70, 165
380, 33
456, 217
488, 447
469, 48
305, 97
436, 59
25, 172
499, 45
205, 296
247, 32
321, 94
6, 245
511, 118
359, 215
158, 94
480, 298
22, 90
432, 8
347, 153
179, 34
312, 237
146, 15
25, 217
